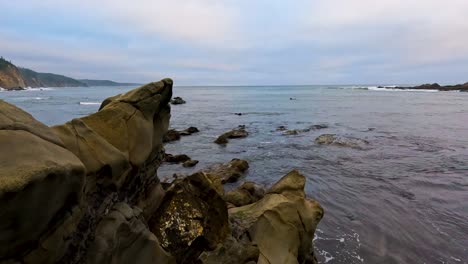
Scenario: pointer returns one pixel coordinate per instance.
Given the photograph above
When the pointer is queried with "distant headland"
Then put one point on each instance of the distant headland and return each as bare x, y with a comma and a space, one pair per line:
18, 78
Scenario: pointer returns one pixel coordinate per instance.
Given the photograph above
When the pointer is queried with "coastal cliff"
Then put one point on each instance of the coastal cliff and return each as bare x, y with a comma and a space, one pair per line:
10, 76
87, 191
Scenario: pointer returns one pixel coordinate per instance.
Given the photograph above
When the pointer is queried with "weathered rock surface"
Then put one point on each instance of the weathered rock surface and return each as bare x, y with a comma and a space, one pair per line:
332, 139
177, 100
227, 172
239, 132
191, 219
277, 229
122, 236
247, 193
282, 224
68, 177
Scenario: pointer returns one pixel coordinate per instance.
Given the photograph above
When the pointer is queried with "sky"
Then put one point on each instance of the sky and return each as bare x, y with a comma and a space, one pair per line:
241, 42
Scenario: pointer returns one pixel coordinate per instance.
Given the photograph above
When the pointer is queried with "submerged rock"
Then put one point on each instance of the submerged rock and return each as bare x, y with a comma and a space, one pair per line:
191, 219
177, 100
239, 132
333, 139
189, 131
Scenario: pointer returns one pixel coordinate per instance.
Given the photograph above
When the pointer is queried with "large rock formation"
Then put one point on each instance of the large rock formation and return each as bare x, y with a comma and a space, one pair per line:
79, 180
10, 76
87, 191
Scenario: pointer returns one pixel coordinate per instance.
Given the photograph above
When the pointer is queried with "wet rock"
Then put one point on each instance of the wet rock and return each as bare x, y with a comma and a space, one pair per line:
191, 219
190, 163
180, 158
135, 243
333, 139
228, 172
247, 193
171, 135
239, 114
189, 131
291, 132
282, 224
177, 100
239, 132
319, 126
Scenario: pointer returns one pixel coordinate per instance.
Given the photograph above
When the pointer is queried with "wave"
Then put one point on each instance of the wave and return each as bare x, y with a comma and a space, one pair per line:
90, 103
393, 89
39, 89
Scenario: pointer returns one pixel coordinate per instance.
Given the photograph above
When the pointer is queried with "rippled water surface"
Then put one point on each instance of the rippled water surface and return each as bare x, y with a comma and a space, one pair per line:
402, 199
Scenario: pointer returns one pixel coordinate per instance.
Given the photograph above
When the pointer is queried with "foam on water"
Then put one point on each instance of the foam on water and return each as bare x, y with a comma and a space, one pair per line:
90, 103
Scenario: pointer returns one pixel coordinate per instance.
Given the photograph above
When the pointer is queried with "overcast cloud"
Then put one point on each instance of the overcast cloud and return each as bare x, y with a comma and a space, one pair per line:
241, 42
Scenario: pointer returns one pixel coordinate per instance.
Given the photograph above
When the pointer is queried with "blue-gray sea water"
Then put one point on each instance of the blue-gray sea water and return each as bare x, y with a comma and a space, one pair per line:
402, 199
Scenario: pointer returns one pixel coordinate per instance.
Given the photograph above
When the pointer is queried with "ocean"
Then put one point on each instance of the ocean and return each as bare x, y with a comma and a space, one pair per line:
401, 199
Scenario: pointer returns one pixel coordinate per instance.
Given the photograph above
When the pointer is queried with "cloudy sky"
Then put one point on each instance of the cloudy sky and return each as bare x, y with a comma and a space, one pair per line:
241, 42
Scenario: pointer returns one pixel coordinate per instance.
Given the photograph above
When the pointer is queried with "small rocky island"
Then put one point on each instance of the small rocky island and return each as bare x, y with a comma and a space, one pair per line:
435, 86
87, 191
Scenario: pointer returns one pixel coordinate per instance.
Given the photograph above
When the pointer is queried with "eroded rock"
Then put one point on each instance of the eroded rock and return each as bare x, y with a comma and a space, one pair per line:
191, 219
247, 193
282, 224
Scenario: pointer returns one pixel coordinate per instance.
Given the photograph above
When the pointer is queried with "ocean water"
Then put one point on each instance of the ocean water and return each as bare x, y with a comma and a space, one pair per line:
401, 199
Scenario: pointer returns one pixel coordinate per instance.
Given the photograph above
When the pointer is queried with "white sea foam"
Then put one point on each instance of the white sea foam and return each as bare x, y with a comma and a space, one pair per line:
90, 103
39, 89
393, 89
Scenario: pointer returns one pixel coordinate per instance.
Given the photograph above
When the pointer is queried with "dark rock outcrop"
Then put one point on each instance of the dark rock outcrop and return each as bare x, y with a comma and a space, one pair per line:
239, 132
190, 163
180, 158
173, 135
436, 86
177, 100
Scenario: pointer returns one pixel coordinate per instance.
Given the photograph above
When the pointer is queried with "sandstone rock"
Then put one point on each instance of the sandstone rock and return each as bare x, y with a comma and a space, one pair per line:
227, 172
282, 224
122, 236
190, 163
177, 100
39, 179
191, 219
247, 193
332, 139
235, 133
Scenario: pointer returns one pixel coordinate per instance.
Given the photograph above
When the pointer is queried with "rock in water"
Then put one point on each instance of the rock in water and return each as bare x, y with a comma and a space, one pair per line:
228, 172
332, 139
171, 135
190, 163
247, 193
282, 224
191, 219
177, 100
235, 133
